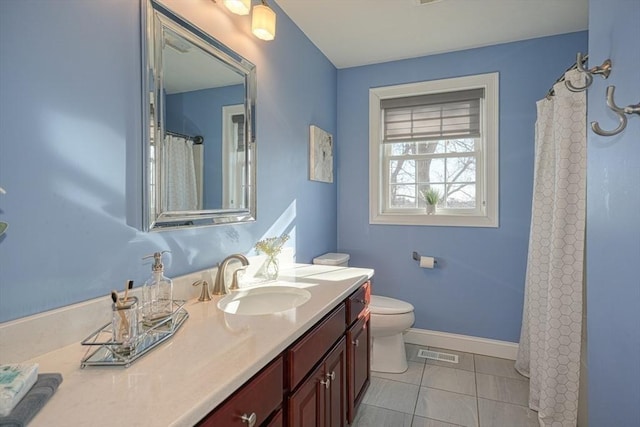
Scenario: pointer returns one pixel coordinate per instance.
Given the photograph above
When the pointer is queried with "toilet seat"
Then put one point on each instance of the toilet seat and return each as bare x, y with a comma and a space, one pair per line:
386, 305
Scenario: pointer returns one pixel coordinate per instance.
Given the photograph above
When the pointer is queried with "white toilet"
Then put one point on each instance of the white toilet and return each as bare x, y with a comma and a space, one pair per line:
390, 317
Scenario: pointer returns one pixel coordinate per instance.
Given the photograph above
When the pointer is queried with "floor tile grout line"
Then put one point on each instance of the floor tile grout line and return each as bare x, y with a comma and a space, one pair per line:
415, 404
503, 401
397, 381
387, 409
504, 376
449, 391
475, 379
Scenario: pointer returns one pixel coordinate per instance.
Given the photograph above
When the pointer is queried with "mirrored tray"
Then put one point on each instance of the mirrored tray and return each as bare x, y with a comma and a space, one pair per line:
150, 337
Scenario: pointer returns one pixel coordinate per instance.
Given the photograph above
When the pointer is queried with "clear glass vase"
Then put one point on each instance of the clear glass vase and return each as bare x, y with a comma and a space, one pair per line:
271, 267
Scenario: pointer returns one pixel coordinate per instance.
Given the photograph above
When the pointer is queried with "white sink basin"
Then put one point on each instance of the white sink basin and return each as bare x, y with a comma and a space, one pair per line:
264, 300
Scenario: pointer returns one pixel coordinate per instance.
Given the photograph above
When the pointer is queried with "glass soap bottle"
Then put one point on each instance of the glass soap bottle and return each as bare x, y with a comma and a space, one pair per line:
157, 293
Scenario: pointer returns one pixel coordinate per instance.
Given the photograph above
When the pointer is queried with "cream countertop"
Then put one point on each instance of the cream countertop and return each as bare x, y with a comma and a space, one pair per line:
183, 379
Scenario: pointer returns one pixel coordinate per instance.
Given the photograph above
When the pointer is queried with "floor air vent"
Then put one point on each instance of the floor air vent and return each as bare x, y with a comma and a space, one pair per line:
437, 355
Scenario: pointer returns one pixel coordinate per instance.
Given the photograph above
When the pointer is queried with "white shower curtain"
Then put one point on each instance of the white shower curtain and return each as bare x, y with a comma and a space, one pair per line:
182, 193
549, 351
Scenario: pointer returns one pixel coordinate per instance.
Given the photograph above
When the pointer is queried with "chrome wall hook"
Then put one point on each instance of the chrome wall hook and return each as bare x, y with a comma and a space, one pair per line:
621, 112
604, 70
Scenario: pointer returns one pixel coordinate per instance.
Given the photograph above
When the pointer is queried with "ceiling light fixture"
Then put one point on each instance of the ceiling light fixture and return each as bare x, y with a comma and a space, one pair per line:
263, 22
239, 7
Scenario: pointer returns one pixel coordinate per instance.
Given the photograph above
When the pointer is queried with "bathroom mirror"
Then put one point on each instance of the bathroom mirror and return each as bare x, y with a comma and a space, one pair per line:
198, 130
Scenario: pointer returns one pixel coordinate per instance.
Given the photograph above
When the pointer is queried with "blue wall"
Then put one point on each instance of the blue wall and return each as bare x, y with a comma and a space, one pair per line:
613, 221
477, 288
199, 112
70, 147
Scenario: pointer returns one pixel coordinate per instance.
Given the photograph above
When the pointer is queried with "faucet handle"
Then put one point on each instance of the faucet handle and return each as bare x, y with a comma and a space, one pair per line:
204, 295
234, 282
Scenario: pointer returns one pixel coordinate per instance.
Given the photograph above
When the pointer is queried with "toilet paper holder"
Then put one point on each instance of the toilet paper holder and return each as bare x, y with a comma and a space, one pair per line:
416, 256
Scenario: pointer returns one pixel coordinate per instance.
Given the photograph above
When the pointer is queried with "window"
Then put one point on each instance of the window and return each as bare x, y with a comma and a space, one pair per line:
439, 135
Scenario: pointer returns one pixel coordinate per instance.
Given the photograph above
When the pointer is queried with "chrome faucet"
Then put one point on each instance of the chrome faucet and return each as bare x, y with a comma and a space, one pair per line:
219, 286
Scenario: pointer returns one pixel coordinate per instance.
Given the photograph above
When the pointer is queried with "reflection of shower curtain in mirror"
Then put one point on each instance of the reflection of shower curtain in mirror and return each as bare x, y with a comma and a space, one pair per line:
181, 187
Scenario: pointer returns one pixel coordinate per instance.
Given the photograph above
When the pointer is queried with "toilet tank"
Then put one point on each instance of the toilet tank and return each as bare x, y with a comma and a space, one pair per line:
336, 259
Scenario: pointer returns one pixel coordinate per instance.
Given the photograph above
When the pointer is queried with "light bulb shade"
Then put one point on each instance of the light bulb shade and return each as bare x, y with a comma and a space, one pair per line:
263, 22
239, 7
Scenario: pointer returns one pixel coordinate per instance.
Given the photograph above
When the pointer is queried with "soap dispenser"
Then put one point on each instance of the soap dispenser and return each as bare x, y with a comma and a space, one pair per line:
157, 293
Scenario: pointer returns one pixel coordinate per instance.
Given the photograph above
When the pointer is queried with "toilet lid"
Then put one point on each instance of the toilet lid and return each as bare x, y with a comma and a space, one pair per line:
386, 305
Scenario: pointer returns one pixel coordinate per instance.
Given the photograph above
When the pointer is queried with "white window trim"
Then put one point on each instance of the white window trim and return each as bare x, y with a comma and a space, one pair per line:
489, 128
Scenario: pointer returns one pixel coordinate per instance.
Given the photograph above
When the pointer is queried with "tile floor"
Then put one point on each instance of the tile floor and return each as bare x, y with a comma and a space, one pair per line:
479, 391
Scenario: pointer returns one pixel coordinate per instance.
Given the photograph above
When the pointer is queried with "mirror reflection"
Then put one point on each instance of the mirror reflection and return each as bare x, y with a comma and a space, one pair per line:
200, 149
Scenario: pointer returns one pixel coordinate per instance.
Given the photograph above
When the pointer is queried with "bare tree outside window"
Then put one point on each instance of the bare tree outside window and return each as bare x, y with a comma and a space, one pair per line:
449, 166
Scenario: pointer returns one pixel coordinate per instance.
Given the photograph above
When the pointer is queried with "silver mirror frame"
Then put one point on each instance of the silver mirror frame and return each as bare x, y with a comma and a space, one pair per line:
154, 219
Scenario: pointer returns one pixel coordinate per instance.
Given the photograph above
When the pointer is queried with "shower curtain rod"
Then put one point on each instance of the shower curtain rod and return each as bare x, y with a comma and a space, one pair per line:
197, 140
551, 92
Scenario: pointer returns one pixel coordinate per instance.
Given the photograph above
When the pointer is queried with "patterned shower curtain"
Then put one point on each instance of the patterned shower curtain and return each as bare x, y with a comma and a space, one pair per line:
182, 192
549, 351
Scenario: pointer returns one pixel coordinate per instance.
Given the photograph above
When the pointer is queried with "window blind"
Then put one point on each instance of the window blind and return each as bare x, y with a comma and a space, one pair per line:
432, 117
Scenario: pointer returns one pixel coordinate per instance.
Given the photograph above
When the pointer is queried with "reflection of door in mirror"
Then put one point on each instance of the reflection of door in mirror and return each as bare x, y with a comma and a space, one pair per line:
234, 170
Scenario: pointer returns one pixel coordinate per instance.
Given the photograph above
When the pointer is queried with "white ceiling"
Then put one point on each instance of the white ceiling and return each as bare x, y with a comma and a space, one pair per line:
359, 32
195, 70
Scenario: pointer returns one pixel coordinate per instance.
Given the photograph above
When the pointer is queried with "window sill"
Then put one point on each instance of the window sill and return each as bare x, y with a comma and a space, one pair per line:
435, 220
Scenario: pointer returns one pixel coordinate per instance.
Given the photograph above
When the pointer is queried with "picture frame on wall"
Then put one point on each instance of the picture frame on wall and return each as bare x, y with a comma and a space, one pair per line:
320, 155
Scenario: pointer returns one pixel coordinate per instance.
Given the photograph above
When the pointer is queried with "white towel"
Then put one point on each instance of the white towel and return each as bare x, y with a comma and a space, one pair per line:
15, 381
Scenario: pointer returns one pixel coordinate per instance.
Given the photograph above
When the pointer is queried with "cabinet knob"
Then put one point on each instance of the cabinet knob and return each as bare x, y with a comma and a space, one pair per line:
332, 375
355, 342
249, 419
326, 383
362, 301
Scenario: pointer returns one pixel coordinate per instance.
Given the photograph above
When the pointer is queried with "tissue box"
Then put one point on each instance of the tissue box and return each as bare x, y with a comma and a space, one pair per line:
15, 381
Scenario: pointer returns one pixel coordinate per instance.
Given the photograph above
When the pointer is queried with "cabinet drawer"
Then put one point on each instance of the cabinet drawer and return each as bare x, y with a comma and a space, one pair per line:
357, 302
309, 350
261, 395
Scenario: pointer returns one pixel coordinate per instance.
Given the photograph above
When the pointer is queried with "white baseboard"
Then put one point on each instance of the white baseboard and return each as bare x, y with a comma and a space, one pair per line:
466, 343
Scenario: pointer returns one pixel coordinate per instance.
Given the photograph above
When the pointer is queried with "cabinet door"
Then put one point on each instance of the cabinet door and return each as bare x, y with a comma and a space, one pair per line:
359, 364
336, 390
307, 404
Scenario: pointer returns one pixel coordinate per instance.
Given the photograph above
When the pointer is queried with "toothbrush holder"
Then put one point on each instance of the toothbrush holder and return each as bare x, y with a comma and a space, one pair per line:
124, 322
